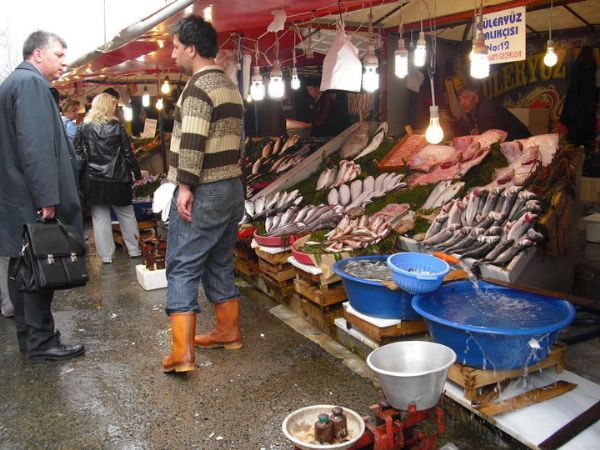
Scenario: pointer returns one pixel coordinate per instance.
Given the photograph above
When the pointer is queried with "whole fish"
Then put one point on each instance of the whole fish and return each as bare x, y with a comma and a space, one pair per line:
376, 141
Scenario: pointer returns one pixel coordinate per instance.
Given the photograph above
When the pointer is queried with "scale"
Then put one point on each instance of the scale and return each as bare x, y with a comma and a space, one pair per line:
392, 429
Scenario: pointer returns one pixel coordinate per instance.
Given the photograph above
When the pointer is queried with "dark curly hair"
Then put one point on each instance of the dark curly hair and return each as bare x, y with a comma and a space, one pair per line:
193, 30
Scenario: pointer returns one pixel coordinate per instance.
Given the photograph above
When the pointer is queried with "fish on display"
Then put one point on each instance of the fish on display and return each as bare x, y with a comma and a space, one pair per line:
302, 220
361, 192
443, 192
488, 226
368, 269
376, 140
356, 143
344, 172
351, 234
263, 207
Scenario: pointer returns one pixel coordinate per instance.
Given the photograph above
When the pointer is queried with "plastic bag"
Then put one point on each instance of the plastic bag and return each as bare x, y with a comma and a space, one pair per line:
342, 68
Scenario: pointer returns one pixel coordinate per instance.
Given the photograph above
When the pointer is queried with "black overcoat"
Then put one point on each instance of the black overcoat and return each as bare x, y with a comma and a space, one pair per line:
37, 165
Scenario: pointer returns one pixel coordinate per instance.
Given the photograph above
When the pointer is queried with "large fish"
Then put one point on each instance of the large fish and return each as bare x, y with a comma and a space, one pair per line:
376, 140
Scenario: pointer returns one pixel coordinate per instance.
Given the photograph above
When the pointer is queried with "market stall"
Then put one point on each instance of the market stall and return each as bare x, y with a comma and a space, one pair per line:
325, 214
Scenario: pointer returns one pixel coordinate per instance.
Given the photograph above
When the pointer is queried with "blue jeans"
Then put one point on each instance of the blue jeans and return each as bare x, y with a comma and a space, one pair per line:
202, 250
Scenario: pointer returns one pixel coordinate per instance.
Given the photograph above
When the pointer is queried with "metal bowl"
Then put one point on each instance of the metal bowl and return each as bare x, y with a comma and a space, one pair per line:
298, 427
412, 372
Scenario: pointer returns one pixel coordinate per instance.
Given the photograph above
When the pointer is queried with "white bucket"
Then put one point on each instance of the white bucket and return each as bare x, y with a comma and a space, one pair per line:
592, 228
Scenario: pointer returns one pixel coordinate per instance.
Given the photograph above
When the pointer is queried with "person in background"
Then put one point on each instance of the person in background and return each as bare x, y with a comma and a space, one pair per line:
329, 111
208, 203
37, 178
482, 114
70, 109
103, 144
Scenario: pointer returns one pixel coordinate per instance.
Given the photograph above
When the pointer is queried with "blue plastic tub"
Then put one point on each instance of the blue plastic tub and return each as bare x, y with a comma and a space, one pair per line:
501, 328
372, 298
417, 273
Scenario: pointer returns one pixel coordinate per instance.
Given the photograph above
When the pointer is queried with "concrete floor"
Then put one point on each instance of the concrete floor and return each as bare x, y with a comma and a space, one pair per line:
116, 396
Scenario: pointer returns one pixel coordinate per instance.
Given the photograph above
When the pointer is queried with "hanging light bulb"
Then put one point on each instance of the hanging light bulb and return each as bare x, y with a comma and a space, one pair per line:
128, 113
159, 103
166, 86
480, 60
420, 51
257, 88
276, 86
295, 83
550, 58
370, 78
401, 59
434, 133
146, 97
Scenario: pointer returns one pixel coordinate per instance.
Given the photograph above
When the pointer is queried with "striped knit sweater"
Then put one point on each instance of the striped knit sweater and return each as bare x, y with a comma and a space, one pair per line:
205, 144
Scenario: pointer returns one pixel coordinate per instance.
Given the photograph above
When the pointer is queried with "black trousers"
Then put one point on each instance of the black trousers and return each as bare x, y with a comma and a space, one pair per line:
33, 317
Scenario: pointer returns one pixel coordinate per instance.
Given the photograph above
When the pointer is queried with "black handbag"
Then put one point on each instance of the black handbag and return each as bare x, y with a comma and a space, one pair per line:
51, 258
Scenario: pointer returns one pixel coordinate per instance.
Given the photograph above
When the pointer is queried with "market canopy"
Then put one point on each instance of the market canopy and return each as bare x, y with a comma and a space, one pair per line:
145, 47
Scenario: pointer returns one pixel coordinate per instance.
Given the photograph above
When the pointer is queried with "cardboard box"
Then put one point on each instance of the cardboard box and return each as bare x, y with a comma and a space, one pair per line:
537, 120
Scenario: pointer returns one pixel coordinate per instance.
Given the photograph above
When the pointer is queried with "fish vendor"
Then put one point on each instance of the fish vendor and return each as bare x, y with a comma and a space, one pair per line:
329, 110
482, 114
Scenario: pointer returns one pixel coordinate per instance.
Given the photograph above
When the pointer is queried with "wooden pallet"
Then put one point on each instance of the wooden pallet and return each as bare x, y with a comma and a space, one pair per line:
322, 295
321, 317
479, 384
384, 335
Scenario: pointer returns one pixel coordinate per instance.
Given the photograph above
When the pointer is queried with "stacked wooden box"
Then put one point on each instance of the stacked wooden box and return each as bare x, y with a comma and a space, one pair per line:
245, 261
384, 334
276, 274
318, 300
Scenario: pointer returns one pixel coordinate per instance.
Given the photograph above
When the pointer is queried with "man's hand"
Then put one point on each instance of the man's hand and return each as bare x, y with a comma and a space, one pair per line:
185, 198
48, 212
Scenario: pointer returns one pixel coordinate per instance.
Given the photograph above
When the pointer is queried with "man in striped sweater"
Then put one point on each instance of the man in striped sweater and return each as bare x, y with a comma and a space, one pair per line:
208, 203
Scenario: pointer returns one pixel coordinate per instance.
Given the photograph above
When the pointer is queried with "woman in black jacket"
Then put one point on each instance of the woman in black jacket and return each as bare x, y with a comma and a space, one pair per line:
104, 149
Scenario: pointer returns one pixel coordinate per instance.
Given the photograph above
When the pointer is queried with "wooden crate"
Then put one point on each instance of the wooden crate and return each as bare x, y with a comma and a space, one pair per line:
277, 272
322, 295
321, 317
317, 279
280, 291
247, 267
243, 250
385, 335
274, 258
478, 383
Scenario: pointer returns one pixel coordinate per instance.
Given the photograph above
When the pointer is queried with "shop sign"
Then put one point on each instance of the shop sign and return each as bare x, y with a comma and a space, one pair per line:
504, 33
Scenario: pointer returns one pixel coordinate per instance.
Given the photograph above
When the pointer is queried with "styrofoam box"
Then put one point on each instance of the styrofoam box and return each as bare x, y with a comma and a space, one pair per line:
151, 279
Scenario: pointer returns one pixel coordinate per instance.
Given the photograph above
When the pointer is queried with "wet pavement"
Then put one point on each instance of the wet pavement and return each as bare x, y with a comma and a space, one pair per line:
116, 396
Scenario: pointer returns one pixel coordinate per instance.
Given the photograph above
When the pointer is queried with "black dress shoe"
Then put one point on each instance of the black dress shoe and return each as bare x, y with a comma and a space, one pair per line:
57, 353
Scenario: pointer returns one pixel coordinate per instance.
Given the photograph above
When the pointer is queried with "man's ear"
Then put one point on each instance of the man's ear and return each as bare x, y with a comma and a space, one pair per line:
37, 55
192, 50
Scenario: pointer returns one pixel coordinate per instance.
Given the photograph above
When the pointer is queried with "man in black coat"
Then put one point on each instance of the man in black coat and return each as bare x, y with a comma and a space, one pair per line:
37, 176
482, 114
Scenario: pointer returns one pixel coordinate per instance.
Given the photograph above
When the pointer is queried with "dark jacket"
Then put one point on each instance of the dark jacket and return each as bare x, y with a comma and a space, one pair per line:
329, 114
579, 109
108, 153
490, 115
37, 163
